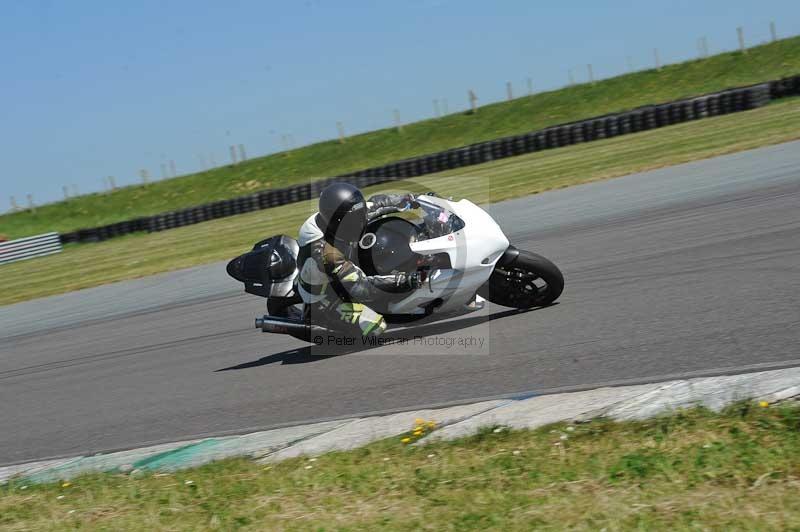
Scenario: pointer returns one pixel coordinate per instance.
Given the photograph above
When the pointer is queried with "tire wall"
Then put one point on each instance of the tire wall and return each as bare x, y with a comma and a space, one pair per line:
597, 128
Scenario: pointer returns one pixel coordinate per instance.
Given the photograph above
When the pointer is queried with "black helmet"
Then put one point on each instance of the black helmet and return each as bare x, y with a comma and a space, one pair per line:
342, 212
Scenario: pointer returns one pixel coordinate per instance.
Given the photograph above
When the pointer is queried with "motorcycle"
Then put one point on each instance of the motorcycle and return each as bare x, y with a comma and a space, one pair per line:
460, 251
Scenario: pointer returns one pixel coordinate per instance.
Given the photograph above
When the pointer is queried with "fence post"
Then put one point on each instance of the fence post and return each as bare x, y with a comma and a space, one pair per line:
472, 100
445, 112
530, 86
657, 58
772, 32
740, 34
509, 94
397, 122
436, 108
242, 153
571, 77
232, 150
112, 182
341, 132
144, 175
66, 191
591, 73
31, 206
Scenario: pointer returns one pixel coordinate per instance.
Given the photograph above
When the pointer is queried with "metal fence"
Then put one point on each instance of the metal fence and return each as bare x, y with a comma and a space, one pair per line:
29, 247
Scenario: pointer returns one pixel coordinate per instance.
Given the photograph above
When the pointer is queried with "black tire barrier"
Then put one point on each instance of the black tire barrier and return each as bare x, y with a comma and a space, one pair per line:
725, 103
759, 95
633, 121
612, 126
517, 145
426, 166
87, 235
412, 168
712, 105
795, 86
587, 133
557, 138
400, 170
418, 166
68, 238
536, 141
662, 116
650, 118
576, 133
738, 101
624, 124
598, 129
674, 112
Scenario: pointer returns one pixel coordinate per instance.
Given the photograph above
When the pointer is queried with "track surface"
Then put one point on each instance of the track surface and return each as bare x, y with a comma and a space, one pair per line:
689, 270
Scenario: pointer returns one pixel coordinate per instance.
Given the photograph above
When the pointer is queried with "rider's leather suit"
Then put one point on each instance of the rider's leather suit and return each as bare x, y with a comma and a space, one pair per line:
334, 289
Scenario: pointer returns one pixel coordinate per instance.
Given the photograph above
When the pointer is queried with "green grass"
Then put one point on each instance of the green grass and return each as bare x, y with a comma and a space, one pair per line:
142, 254
379, 147
694, 469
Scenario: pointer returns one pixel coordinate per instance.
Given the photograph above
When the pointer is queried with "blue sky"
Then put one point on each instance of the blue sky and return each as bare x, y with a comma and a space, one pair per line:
98, 88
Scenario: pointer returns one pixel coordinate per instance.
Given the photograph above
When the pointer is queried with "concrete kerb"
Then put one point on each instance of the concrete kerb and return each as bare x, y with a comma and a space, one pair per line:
360, 432
541, 410
621, 403
711, 392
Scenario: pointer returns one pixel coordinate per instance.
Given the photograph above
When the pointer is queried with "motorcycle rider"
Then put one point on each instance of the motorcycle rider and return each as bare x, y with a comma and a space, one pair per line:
334, 289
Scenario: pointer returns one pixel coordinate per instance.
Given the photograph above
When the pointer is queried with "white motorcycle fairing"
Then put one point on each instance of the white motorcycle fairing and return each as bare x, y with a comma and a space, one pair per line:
473, 250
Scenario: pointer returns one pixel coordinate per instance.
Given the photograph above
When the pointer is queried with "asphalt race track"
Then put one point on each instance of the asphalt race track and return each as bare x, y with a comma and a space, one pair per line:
689, 270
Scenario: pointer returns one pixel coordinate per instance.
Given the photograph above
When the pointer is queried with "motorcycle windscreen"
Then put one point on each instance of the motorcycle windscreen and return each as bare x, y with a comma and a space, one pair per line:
389, 251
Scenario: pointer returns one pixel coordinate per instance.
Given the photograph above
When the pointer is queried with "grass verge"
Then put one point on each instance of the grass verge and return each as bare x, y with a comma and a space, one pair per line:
739, 469
524, 114
140, 255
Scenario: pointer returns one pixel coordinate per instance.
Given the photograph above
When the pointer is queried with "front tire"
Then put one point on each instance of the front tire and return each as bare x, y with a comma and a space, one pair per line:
523, 280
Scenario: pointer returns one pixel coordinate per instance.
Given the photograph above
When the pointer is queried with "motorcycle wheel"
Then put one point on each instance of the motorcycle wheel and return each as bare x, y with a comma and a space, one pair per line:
530, 280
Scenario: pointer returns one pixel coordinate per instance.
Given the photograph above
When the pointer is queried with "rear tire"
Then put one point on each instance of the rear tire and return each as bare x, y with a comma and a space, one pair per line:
527, 280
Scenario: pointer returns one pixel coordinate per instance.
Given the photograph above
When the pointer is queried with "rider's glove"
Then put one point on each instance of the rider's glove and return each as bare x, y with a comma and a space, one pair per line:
415, 280
411, 201
411, 281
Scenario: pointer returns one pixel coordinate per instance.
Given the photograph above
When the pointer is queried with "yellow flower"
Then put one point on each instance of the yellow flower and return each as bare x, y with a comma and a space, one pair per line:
419, 421
763, 404
417, 433
66, 485
405, 440
431, 424
417, 428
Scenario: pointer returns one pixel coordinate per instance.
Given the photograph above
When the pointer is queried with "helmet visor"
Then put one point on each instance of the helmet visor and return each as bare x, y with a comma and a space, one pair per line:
352, 224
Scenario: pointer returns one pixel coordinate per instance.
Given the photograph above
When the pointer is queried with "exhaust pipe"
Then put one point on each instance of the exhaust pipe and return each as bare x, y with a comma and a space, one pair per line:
297, 328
